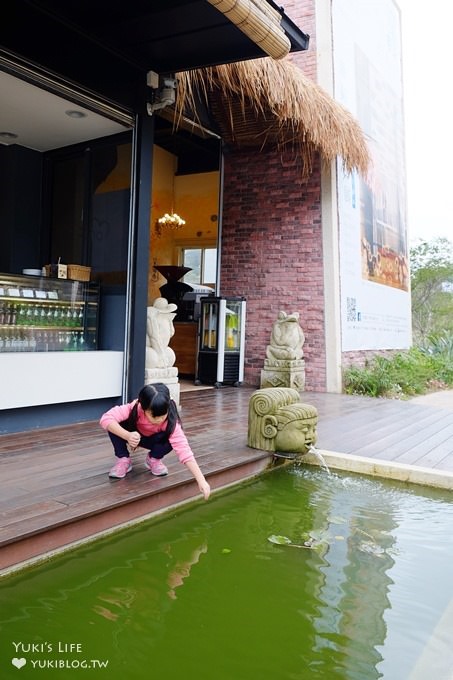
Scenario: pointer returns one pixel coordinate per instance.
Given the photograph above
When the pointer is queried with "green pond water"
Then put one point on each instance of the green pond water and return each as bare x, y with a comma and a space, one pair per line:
203, 593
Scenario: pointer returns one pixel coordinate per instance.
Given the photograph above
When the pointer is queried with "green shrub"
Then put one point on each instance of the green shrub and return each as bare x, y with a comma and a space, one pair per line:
415, 371
439, 344
365, 381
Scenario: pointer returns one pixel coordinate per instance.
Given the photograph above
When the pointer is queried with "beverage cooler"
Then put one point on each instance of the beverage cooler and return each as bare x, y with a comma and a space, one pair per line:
221, 341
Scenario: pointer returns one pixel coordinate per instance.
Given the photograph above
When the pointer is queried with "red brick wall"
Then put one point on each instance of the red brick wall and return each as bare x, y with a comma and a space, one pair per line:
272, 253
302, 13
360, 357
271, 238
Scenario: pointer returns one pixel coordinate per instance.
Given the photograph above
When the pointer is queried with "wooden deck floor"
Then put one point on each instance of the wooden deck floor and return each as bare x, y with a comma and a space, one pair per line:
55, 489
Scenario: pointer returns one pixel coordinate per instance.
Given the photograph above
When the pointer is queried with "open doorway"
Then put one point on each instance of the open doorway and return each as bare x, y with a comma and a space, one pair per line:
186, 186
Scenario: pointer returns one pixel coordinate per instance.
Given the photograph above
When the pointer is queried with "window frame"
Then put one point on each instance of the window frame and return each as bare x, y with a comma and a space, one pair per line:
197, 244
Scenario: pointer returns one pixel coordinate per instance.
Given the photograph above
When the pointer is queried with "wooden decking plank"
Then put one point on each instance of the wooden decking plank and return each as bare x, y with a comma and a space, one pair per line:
112, 492
55, 476
433, 445
446, 464
51, 469
45, 438
67, 480
382, 423
84, 503
404, 433
23, 498
350, 431
430, 458
28, 512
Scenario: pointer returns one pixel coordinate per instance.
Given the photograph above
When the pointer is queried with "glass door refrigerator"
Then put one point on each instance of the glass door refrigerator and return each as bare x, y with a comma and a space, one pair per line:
221, 341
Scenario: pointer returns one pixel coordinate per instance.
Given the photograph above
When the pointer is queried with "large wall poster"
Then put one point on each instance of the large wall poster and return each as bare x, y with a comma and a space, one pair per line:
374, 272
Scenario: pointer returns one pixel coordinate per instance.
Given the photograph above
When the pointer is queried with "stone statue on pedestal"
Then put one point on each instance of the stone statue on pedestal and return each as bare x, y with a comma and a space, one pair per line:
284, 365
160, 358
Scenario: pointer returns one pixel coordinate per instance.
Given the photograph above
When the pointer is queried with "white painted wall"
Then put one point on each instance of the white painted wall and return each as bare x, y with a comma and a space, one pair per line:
329, 212
32, 379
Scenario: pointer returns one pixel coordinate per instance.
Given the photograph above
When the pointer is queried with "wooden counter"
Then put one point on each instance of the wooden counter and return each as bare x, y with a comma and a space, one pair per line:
184, 345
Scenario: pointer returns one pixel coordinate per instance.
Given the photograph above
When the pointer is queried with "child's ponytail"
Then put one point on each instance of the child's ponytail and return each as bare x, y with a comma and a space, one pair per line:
172, 418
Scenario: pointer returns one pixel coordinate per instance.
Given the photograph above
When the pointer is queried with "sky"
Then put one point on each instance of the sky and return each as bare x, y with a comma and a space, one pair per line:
428, 104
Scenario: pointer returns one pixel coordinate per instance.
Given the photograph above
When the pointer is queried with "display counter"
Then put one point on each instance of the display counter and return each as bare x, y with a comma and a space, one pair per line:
39, 314
48, 344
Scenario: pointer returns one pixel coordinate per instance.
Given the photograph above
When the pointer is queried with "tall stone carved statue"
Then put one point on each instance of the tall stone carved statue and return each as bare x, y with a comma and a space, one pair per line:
159, 331
160, 358
284, 365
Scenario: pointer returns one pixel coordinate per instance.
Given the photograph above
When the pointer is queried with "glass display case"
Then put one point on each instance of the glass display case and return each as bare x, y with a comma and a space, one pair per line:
39, 314
221, 341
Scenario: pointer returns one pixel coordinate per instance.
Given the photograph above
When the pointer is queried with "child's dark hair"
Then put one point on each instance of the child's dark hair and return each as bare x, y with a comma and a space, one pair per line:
155, 398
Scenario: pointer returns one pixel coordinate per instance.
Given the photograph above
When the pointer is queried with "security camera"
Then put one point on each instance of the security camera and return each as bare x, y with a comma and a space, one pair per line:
163, 95
169, 82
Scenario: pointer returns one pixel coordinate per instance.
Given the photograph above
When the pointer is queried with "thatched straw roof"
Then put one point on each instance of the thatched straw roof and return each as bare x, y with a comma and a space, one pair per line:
264, 102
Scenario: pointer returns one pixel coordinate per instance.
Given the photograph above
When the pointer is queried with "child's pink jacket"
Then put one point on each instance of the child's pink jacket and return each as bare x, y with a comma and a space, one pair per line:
177, 439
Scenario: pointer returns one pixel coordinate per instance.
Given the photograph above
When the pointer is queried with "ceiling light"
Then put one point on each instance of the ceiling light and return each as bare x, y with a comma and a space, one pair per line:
8, 135
74, 113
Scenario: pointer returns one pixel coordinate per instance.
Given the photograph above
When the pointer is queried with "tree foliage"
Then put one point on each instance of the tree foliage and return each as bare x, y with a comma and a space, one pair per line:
431, 287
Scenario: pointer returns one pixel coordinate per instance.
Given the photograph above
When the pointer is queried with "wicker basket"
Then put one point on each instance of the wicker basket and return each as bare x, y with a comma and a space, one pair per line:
78, 272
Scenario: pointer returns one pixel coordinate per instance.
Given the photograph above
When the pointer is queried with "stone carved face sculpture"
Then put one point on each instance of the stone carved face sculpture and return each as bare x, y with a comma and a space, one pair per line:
279, 421
296, 429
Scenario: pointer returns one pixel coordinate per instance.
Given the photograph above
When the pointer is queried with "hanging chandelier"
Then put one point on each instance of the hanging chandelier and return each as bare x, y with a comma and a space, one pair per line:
169, 221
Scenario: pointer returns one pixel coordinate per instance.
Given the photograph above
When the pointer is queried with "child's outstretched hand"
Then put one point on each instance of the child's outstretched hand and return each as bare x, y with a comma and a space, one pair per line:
205, 489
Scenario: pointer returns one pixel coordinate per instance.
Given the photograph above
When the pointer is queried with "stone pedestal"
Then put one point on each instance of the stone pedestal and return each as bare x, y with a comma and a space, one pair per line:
283, 373
168, 376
